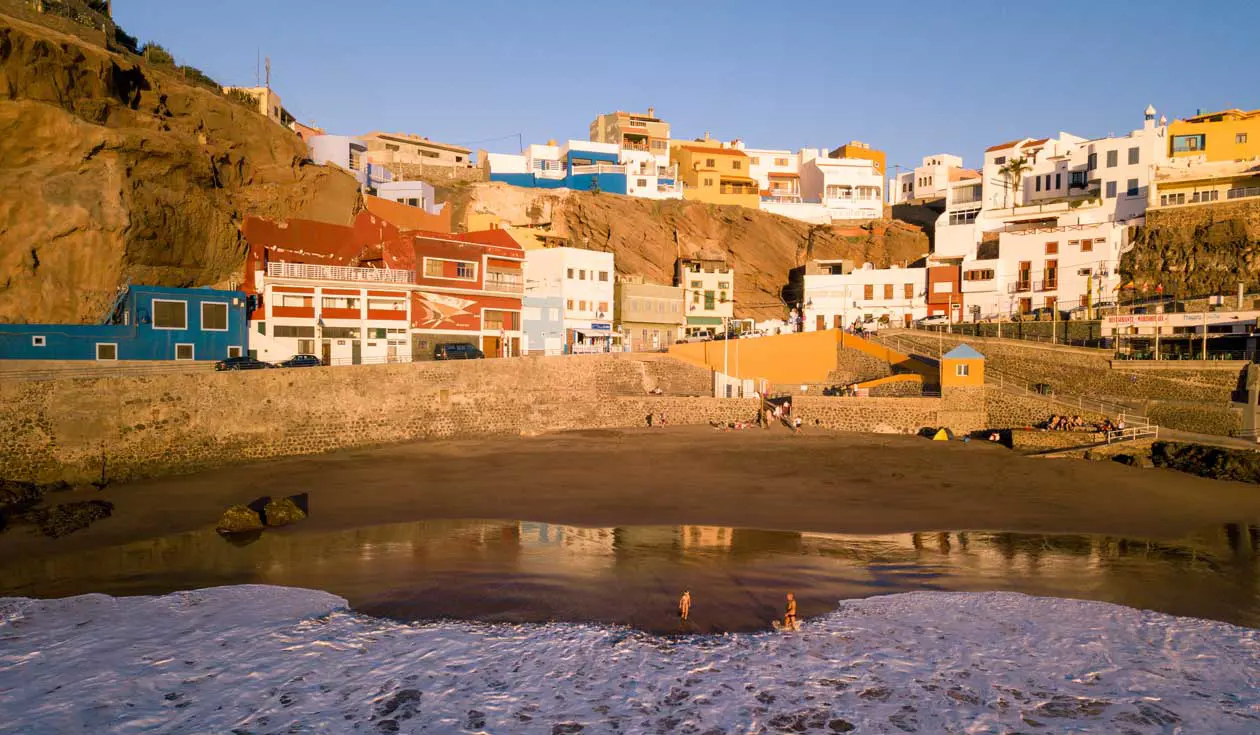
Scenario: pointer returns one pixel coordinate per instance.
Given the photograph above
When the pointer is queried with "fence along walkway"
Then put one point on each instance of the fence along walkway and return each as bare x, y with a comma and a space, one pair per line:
1017, 386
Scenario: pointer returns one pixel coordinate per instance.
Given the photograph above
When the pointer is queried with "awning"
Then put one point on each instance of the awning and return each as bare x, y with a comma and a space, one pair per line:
705, 321
593, 332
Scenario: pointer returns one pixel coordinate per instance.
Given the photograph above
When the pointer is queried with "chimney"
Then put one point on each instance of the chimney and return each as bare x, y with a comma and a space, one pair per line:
651, 112
706, 136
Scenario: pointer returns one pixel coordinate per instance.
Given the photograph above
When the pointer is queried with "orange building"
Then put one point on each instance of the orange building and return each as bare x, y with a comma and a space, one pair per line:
962, 367
858, 149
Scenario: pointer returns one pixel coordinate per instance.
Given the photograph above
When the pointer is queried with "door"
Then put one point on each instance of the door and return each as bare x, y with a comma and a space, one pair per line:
326, 352
392, 352
492, 346
356, 352
821, 323
1025, 306
1025, 275
1051, 275
836, 323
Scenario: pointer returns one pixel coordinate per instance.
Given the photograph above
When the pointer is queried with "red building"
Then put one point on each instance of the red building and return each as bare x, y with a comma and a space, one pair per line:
369, 292
944, 292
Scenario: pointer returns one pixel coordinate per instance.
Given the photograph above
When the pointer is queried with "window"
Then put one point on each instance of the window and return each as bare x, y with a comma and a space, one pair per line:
465, 270
287, 332
391, 147
184, 352
1052, 248
603, 307
1132, 189
1058, 181
341, 332
582, 274
709, 302
386, 305
724, 284
603, 276
39, 341
888, 291
737, 165
710, 163
640, 183
963, 218
756, 161
908, 291
780, 162
708, 182
581, 304
868, 292
455, 270
170, 314
1038, 183
697, 284
106, 351
1111, 190
1087, 246
962, 370
1205, 196
1113, 159
982, 274
214, 317
1188, 143
1240, 138
1076, 180
999, 160
569, 275
1166, 199
297, 301
412, 201
1092, 162
234, 351
1135, 155
262, 328
568, 305
338, 302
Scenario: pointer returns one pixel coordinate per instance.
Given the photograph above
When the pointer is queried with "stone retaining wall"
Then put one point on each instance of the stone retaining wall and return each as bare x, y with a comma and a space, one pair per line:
1200, 419
143, 426
1009, 411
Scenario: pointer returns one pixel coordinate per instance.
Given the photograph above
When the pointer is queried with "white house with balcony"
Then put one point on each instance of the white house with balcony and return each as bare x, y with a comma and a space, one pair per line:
811, 187
838, 298
581, 282
708, 290
341, 314
583, 165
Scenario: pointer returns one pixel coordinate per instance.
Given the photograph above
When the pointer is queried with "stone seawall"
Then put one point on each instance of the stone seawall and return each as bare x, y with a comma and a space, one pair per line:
126, 428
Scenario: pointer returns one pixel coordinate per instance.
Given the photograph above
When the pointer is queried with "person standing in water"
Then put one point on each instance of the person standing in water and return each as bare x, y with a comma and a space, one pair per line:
684, 605
789, 612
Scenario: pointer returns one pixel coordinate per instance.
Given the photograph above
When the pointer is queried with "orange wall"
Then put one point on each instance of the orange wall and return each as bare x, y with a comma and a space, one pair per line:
805, 357
949, 378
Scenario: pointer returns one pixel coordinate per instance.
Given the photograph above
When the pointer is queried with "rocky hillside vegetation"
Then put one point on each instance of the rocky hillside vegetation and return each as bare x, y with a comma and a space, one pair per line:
647, 236
115, 168
1199, 250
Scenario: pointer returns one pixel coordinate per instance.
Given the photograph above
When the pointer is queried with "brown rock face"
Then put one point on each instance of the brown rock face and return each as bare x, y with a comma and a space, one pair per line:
647, 236
114, 170
1200, 250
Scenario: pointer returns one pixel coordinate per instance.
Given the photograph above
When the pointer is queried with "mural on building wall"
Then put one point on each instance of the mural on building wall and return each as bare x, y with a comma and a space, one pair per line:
445, 312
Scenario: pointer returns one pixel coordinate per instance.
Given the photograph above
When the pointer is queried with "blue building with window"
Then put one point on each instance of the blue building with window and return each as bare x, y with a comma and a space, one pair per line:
143, 323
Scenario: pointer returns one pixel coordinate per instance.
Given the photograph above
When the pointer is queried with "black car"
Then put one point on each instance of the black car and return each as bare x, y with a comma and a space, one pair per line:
244, 362
300, 361
457, 351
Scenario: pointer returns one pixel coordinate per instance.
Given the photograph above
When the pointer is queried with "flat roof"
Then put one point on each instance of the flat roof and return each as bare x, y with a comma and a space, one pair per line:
416, 140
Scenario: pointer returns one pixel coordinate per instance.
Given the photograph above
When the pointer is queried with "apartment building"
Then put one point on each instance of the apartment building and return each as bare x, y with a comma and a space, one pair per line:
582, 281
928, 181
586, 166
632, 131
836, 297
856, 149
648, 315
1228, 135
812, 187
402, 149
266, 101
716, 173
708, 294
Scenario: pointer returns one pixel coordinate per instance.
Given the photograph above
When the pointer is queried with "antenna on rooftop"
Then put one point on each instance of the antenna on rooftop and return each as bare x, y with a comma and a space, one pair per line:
258, 67
268, 72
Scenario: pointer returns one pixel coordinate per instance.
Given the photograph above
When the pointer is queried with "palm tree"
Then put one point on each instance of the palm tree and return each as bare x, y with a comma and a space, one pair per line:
1014, 172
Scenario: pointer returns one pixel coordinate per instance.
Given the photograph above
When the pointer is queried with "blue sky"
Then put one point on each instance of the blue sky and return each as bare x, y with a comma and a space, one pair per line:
913, 78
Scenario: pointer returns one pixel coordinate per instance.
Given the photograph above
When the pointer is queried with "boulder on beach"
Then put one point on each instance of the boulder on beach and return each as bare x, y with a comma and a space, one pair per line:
239, 519
282, 512
64, 519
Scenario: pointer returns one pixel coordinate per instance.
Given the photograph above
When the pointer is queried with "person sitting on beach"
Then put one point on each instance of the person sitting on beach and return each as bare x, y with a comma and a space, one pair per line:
796, 425
684, 605
789, 612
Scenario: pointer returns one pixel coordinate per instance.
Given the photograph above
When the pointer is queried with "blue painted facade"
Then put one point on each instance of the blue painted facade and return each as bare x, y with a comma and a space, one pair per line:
130, 327
612, 183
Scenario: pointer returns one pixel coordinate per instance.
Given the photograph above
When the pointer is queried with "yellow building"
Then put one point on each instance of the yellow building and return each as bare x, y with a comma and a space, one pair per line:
1204, 183
962, 367
1228, 135
858, 149
711, 172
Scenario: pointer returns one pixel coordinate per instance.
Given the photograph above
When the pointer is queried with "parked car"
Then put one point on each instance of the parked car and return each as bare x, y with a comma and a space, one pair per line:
244, 362
300, 361
1048, 314
932, 321
457, 351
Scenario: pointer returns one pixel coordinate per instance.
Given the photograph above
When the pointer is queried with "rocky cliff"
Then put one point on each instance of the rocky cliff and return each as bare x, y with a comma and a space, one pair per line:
112, 169
1197, 250
647, 236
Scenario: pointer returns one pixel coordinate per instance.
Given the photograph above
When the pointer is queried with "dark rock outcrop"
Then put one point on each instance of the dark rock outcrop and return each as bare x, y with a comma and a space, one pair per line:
239, 519
1213, 462
282, 512
64, 519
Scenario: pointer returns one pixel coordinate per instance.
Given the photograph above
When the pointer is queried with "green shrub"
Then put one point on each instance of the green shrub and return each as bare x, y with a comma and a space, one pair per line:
155, 54
193, 75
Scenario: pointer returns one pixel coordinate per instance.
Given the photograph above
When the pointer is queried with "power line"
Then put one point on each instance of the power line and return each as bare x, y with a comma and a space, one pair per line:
488, 140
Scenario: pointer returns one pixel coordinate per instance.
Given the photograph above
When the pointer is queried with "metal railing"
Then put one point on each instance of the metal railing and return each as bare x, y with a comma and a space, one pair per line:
339, 273
1243, 193
599, 168
504, 285
1018, 386
1131, 433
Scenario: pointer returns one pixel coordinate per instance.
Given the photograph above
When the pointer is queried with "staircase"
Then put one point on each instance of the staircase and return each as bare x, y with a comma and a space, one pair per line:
114, 314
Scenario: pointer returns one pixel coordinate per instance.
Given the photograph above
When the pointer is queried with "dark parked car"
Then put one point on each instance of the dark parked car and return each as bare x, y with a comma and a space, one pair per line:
244, 362
1047, 314
457, 351
300, 361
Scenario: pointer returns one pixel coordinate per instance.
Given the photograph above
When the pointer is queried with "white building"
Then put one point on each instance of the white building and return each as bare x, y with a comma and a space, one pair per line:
875, 296
583, 282
810, 186
927, 181
584, 165
708, 286
1052, 235
412, 193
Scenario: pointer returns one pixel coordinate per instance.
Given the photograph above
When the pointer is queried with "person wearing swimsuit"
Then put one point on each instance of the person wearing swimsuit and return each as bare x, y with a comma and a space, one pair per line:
789, 614
684, 605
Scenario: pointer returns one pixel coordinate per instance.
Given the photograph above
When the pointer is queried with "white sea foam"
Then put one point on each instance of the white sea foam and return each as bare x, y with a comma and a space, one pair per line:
266, 659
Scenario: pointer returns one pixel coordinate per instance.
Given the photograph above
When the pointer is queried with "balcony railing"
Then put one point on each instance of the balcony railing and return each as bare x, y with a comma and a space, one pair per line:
599, 168
339, 273
1243, 193
1019, 287
1049, 284
505, 285
738, 190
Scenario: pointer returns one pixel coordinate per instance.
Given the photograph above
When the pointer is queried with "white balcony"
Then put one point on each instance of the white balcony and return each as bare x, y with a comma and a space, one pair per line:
600, 168
501, 284
339, 273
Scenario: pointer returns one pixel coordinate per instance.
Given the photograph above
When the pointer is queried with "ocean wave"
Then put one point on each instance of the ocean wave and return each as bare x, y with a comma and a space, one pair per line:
257, 659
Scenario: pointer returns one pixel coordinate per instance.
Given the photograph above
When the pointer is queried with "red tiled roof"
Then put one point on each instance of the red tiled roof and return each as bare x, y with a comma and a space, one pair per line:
1003, 146
1039, 141
719, 151
407, 217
